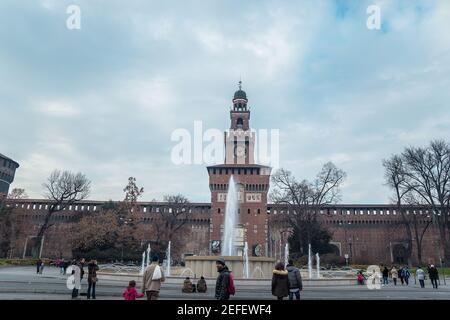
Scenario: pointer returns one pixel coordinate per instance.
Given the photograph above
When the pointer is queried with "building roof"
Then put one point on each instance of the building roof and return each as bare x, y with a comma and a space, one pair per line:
5, 157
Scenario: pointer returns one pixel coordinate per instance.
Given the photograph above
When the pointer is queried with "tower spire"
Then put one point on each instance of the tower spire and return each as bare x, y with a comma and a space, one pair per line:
240, 83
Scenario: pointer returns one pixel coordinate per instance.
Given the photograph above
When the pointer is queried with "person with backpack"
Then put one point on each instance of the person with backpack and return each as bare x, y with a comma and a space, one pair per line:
406, 275
153, 276
400, 275
295, 281
280, 282
130, 292
224, 282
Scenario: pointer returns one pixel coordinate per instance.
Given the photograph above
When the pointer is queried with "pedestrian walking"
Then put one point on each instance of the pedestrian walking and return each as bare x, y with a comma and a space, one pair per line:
41, 267
38, 266
62, 268
400, 275
280, 282
295, 281
224, 282
130, 292
80, 265
406, 275
434, 276
385, 276
421, 276
152, 279
92, 278
394, 275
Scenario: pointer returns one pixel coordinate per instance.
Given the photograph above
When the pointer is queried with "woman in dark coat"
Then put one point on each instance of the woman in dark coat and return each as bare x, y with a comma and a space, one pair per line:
280, 282
92, 278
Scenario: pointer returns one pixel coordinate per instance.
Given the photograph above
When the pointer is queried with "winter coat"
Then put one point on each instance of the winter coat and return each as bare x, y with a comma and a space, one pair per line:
147, 283
187, 286
222, 284
394, 273
295, 278
201, 286
420, 274
280, 283
130, 293
92, 272
385, 272
405, 273
433, 273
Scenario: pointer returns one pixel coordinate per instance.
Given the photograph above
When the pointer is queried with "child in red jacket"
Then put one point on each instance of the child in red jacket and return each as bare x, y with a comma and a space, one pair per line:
130, 292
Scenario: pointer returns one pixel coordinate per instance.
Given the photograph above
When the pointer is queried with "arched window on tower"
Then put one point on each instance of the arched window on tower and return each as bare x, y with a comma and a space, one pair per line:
239, 123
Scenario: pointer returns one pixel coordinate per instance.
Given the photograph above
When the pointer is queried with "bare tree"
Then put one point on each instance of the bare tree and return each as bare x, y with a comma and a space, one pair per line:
428, 175
17, 194
304, 198
63, 189
397, 180
170, 222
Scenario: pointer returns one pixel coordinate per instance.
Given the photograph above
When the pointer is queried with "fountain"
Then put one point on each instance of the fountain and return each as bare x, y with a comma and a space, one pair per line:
168, 259
148, 255
143, 263
318, 265
246, 265
286, 254
231, 211
309, 261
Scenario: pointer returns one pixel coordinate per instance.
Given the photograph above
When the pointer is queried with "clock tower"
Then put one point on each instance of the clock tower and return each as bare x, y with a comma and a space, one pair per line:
252, 182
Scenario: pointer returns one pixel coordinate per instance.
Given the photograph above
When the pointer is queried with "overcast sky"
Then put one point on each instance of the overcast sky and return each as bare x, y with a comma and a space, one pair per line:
105, 99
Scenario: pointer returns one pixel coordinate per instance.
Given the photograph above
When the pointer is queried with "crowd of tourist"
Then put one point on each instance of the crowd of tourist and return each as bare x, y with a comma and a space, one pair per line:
286, 280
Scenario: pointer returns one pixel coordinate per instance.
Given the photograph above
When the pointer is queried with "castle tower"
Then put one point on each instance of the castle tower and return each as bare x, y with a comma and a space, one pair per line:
252, 183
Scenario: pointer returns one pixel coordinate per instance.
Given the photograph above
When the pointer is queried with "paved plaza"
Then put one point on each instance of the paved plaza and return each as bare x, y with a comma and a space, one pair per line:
22, 283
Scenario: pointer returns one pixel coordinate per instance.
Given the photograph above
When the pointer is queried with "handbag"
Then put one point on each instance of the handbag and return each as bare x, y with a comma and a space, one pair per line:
156, 273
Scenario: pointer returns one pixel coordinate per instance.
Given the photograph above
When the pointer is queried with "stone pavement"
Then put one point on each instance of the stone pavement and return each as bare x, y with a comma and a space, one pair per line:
24, 283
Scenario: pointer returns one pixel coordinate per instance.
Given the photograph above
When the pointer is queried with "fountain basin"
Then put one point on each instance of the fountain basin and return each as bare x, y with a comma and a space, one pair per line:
259, 267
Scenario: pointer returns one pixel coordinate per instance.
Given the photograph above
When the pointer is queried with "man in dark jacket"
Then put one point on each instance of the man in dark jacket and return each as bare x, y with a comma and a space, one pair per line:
222, 280
434, 276
295, 281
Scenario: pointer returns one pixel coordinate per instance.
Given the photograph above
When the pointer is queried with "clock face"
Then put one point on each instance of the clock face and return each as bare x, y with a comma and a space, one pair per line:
240, 151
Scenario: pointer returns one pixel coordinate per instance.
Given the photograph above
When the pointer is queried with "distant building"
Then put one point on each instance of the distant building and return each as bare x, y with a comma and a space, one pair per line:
7, 171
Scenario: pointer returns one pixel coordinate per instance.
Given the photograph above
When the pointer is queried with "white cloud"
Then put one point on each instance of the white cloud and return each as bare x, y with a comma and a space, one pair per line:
57, 109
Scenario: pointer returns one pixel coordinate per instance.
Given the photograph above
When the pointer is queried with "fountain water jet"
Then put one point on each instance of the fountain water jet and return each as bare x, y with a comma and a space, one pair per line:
318, 265
231, 211
148, 254
143, 263
286, 254
309, 261
246, 263
168, 259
